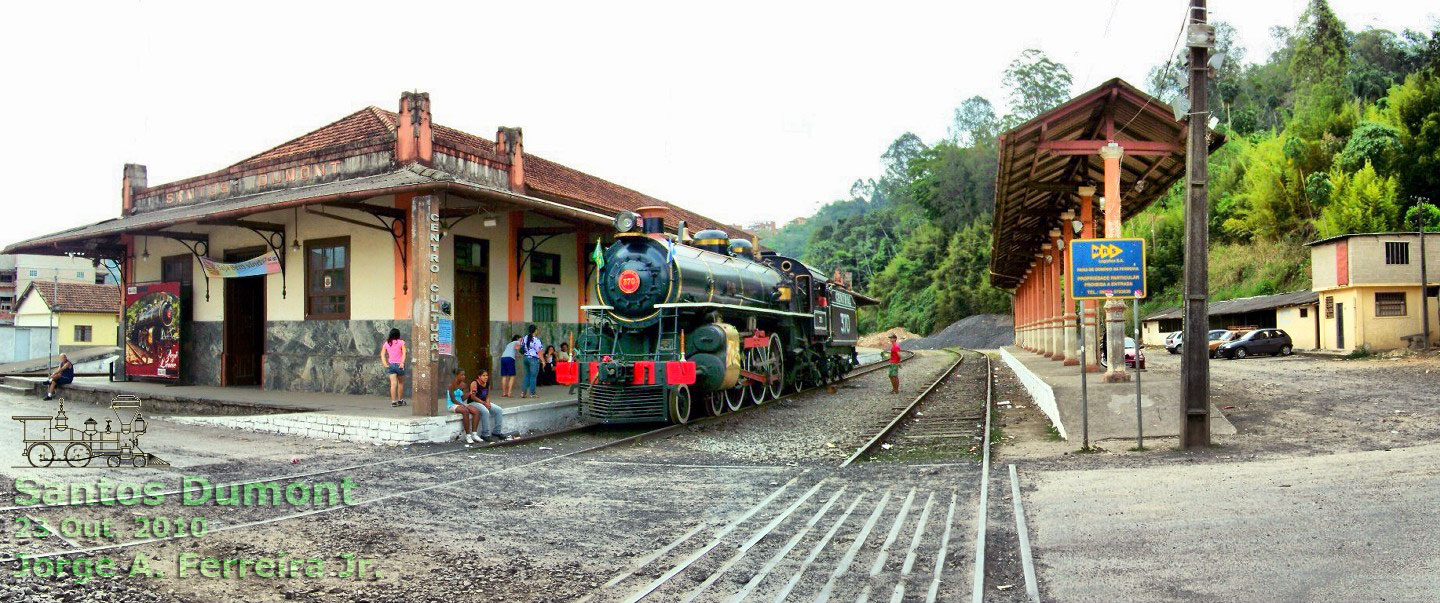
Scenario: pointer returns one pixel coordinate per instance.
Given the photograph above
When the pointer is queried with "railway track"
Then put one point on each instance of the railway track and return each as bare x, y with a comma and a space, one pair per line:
827, 533
388, 470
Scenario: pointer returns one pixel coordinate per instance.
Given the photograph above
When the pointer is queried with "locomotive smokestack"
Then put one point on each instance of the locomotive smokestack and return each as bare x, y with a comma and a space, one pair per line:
652, 221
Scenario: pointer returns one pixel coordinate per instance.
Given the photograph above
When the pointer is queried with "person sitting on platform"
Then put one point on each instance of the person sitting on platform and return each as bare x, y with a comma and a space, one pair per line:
565, 355
491, 415
63, 375
455, 401
547, 366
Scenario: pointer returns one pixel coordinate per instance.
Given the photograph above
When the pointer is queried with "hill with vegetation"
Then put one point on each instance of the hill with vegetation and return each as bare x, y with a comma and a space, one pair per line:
1335, 131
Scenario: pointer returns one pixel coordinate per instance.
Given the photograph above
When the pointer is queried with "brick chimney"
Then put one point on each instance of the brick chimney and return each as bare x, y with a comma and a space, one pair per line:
131, 183
511, 143
413, 138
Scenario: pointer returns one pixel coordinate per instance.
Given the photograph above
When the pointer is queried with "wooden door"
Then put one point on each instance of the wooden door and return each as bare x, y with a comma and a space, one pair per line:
244, 325
472, 305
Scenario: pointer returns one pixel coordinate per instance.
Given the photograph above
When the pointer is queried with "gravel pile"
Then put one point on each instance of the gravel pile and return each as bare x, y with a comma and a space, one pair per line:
979, 332
882, 339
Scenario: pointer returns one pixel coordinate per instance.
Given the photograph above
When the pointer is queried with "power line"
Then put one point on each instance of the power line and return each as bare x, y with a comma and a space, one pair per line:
1167, 66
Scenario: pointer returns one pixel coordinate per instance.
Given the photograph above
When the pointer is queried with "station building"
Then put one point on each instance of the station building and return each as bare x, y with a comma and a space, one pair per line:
377, 220
1369, 288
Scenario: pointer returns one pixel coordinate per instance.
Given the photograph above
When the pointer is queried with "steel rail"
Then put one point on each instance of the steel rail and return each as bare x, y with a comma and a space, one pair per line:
977, 592
885, 432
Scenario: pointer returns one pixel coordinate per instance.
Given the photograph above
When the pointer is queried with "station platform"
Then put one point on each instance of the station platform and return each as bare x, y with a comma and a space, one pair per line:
368, 419
1055, 389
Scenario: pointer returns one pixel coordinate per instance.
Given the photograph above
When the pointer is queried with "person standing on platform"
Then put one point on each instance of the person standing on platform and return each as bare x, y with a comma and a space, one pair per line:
894, 364
508, 358
392, 355
531, 347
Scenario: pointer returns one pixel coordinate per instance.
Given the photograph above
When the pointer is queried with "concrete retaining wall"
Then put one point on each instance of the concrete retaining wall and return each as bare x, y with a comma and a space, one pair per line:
1040, 392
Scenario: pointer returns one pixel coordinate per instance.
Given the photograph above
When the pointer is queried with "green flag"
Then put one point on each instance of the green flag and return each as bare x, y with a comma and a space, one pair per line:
598, 256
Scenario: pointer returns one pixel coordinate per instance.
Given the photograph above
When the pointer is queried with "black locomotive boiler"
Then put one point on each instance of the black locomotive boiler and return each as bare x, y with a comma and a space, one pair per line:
704, 326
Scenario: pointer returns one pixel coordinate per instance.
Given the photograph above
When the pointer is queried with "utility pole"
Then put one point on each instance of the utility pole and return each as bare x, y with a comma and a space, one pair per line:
1195, 363
1420, 217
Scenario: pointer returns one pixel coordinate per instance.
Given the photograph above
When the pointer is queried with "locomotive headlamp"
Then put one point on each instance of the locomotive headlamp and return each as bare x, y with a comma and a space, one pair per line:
625, 221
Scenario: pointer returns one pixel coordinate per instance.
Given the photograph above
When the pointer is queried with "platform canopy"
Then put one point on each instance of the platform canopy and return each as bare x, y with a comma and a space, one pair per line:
1044, 161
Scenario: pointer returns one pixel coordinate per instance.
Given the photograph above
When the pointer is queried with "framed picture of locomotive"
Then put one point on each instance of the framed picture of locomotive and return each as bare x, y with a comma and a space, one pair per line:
152, 330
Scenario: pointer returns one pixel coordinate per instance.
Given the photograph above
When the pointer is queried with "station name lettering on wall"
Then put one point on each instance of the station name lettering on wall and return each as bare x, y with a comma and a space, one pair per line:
432, 263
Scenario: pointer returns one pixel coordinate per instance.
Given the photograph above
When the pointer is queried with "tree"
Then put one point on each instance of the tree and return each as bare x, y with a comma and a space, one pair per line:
954, 185
904, 150
1318, 67
1371, 142
1414, 109
1035, 84
975, 123
1362, 202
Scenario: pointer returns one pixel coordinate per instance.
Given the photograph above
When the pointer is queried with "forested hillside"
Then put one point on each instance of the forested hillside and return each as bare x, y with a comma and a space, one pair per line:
1336, 131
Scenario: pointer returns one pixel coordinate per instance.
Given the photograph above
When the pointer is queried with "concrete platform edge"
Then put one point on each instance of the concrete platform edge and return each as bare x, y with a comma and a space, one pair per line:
1039, 390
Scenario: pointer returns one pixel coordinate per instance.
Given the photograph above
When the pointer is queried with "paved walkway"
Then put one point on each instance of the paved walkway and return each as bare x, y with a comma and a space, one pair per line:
1056, 390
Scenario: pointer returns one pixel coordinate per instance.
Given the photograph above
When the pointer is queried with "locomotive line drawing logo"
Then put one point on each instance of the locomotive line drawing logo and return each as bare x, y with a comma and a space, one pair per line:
51, 441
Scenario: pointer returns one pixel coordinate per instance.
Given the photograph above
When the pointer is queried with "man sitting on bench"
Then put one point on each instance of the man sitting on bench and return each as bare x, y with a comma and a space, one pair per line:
63, 375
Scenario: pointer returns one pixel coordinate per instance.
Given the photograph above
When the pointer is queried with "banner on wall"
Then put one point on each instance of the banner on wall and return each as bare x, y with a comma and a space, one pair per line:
269, 263
152, 330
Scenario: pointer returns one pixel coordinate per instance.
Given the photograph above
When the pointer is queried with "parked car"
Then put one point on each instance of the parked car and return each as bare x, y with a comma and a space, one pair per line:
1180, 341
1220, 337
1172, 342
1133, 351
1275, 342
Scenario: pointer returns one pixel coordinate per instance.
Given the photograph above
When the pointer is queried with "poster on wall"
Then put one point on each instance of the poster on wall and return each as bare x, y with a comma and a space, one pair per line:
152, 330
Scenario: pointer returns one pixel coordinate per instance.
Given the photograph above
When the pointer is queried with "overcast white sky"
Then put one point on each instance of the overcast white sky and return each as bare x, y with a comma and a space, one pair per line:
739, 110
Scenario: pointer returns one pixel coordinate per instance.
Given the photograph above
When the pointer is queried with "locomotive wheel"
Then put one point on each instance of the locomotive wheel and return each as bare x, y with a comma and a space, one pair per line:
756, 390
735, 397
112, 461
139, 459
679, 410
717, 403
40, 455
77, 455
776, 370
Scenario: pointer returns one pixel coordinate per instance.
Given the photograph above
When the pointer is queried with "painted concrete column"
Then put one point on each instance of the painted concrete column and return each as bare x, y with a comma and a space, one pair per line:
424, 259
1114, 308
1092, 334
1057, 323
1030, 307
1067, 306
1047, 274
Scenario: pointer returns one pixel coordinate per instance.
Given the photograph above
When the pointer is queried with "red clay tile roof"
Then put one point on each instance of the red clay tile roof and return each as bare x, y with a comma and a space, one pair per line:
78, 297
365, 123
541, 175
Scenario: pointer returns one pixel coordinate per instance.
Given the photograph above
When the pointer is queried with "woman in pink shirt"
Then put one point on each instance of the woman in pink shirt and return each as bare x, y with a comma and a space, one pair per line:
392, 355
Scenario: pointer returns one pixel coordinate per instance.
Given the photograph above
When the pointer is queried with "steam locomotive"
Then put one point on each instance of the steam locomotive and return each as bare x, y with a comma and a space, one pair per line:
704, 326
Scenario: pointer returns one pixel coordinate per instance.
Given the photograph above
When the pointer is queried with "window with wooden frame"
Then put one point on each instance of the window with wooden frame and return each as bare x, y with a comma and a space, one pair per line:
1397, 252
327, 279
542, 309
1390, 304
83, 332
177, 268
544, 268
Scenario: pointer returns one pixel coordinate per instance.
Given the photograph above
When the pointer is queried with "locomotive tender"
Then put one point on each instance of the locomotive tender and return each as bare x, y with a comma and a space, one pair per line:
704, 326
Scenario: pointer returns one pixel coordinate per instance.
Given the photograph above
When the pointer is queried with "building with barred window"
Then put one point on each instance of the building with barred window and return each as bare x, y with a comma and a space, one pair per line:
1369, 288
